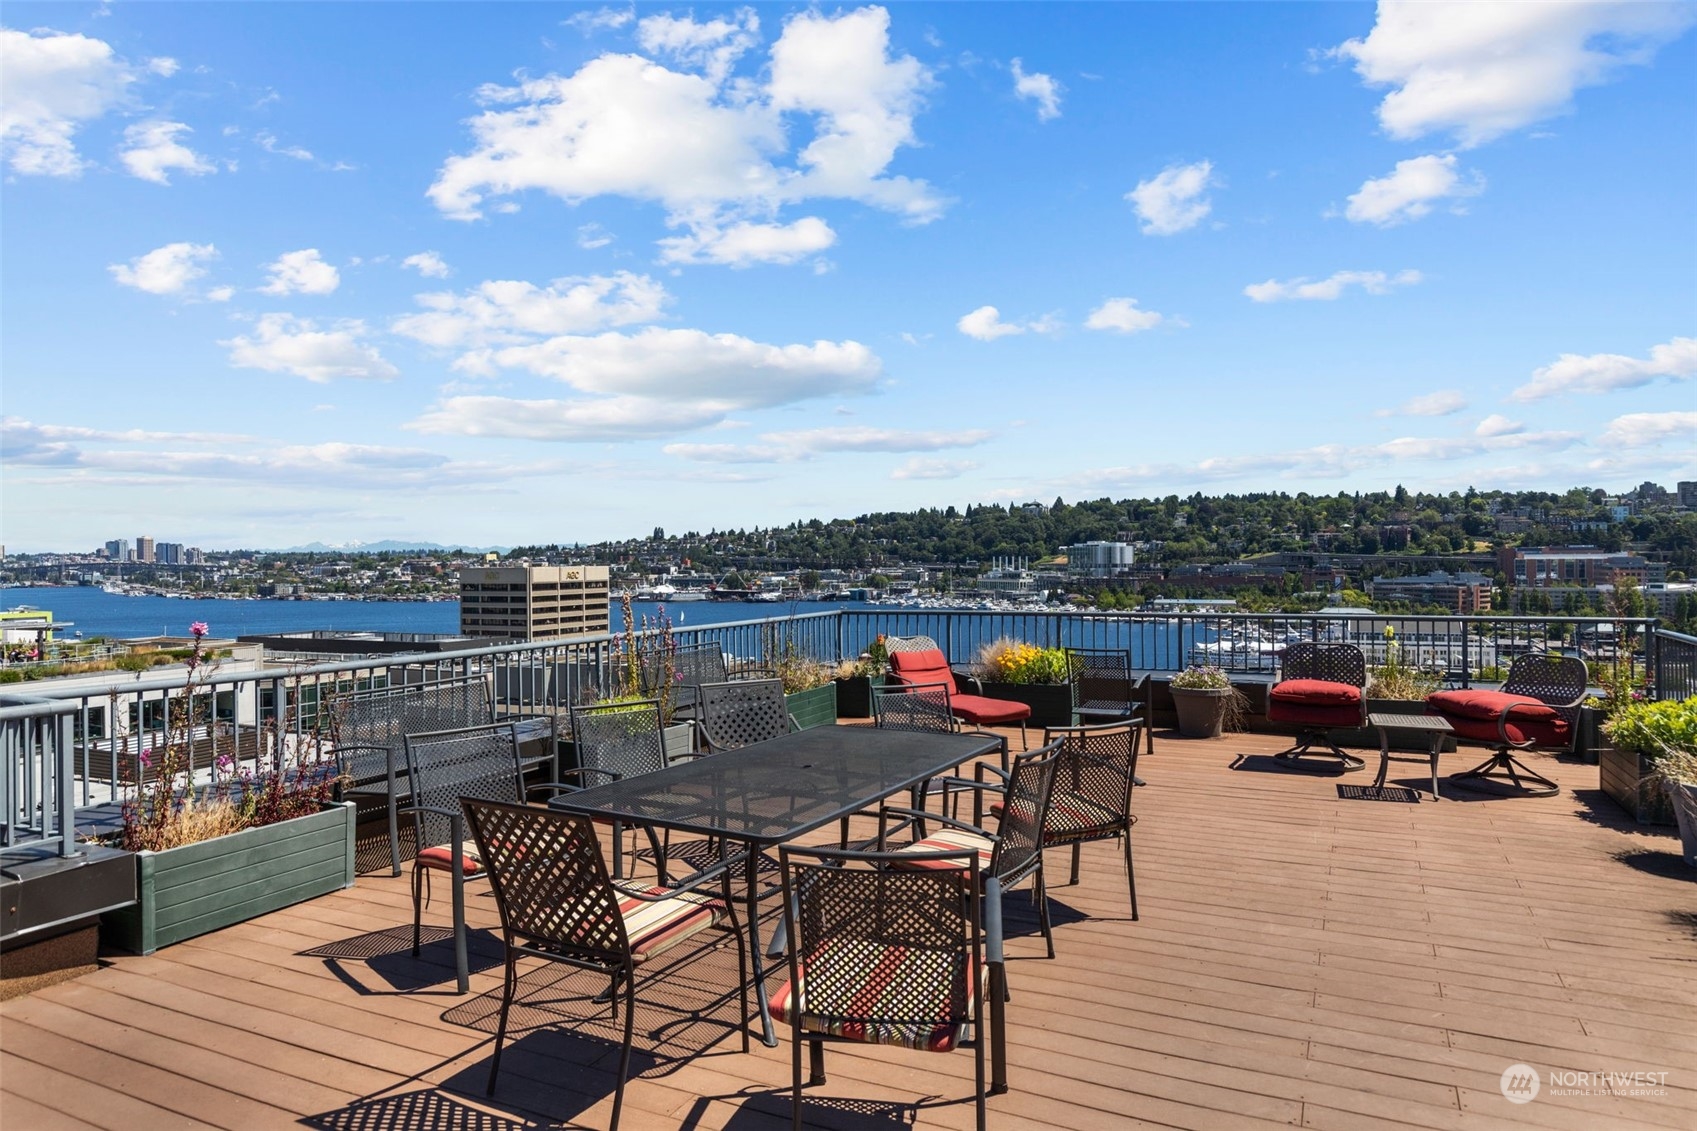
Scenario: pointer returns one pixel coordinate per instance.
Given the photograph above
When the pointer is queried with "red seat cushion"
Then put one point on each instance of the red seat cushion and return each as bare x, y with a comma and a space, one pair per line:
1319, 692
929, 666
442, 856
884, 994
981, 710
1474, 714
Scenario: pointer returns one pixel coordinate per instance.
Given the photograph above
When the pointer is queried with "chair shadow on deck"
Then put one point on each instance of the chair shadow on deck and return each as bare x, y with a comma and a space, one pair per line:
388, 954
1267, 764
429, 1109
769, 1110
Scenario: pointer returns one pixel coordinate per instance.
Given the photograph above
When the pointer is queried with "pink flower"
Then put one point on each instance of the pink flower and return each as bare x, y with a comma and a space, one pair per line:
198, 629
147, 756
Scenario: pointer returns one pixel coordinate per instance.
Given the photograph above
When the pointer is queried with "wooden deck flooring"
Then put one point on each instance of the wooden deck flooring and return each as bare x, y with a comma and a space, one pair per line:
1302, 959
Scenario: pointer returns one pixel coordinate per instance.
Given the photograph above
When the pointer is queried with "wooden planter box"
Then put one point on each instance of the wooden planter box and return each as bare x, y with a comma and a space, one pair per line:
1051, 703
1367, 738
816, 707
188, 891
1622, 774
1588, 743
854, 697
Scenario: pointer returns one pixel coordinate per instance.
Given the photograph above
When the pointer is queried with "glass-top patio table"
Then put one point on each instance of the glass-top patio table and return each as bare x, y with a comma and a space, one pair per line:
774, 791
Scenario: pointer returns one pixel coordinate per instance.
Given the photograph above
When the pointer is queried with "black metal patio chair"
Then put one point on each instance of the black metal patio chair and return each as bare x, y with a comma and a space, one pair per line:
1537, 706
1091, 799
442, 767
1010, 855
738, 713
619, 740
896, 950
1320, 688
557, 903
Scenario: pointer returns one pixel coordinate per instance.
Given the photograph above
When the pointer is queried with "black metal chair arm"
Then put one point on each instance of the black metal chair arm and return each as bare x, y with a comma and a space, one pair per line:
1503, 718
685, 886
920, 815
993, 922
554, 788
965, 676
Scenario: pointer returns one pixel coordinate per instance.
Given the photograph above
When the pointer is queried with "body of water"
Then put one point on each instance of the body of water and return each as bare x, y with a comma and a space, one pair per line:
95, 612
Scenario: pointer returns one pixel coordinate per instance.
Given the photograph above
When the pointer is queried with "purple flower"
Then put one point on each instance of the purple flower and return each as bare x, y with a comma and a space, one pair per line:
198, 629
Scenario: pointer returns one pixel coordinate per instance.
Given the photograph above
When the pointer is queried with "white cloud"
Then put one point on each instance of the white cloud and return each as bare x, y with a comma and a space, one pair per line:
1443, 402
788, 447
744, 244
1408, 191
50, 85
428, 264
1605, 372
282, 343
163, 65
268, 142
151, 150
1172, 200
710, 47
510, 312
1123, 316
592, 236
301, 272
165, 270
1498, 425
601, 19
1480, 70
920, 467
1040, 88
651, 383
706, 147
1646, 429
1325, 290
220, 294
986, 325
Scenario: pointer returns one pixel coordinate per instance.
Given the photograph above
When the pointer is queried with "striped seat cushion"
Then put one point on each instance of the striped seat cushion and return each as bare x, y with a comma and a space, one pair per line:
442, 856
951, 840
1072, 814
653, 927
883, 994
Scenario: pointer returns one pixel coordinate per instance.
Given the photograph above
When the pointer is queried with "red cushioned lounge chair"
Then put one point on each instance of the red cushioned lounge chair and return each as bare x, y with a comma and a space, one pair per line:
1537, 706
1320, 690
917, 659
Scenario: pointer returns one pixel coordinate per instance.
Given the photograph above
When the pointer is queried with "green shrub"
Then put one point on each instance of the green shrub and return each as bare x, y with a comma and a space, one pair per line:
1656, 730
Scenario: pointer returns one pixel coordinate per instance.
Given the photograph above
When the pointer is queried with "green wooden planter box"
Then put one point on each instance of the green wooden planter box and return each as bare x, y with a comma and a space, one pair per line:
816, 707
1623, 774
188, 891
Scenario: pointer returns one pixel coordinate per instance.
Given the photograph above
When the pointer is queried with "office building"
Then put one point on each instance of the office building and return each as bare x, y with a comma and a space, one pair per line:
1461, 592
532, 602
1100, 559
144, 549
169, 553
1688, 494
118, 549
1583, 566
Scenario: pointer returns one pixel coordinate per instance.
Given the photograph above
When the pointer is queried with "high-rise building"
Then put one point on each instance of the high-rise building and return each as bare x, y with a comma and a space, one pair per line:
1688, 494
169, 553
118, 549
532, 602
144, 549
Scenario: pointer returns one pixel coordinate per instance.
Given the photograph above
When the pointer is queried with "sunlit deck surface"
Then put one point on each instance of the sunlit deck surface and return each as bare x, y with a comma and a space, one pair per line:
1302, 959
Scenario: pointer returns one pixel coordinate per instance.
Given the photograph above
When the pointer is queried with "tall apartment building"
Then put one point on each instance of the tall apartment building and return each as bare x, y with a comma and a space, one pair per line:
118, 549
169, 553
532, 602
144, 549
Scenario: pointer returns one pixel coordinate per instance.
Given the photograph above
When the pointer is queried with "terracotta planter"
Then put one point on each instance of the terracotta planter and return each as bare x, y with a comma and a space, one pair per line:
1625, 776
1682, 796
1201, 710
1051, 703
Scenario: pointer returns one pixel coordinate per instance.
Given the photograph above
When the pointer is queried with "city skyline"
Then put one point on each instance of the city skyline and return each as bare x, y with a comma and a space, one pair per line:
523, 274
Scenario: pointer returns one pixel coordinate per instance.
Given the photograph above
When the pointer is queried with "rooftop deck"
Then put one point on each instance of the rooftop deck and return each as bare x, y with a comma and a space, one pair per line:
1302, 959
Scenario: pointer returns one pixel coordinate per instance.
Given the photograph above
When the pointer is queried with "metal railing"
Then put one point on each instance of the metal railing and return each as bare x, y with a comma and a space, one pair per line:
92, 736
37, 773
1673, 664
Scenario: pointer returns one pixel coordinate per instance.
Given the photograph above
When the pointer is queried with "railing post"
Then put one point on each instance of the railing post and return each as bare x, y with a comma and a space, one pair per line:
65, 786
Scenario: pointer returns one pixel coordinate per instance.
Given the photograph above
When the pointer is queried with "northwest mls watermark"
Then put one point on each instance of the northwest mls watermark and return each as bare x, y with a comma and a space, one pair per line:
1521, 1083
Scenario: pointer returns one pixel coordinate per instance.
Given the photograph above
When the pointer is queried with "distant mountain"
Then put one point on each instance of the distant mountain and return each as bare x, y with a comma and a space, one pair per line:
387, 546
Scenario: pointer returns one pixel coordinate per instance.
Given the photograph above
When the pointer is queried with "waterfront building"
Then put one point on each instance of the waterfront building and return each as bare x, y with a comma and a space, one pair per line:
1100, 559
1461, 592
1554, 566
533, 602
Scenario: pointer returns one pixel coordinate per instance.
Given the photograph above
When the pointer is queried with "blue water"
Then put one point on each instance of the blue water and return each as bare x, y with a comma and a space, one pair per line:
95, 612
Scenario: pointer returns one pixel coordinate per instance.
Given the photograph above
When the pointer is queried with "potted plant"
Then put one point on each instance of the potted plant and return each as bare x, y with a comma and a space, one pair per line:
644, 666
1395, 687
255, 840
1205, 701
1041, 678
1651, 746
810, 691
854, 680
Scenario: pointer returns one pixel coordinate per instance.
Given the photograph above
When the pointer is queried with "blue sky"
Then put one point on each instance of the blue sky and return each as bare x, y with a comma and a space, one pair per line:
496, 273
